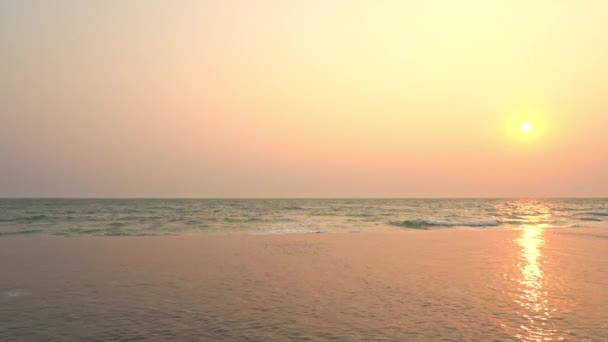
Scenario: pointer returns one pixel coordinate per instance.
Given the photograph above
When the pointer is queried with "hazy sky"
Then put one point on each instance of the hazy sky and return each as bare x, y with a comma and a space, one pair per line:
324, 98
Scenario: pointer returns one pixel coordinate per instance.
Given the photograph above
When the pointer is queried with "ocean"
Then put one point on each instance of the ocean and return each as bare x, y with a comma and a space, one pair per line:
137, 217
251, 270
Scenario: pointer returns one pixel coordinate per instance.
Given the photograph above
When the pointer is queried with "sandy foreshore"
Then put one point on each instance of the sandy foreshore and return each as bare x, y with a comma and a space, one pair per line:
448, 284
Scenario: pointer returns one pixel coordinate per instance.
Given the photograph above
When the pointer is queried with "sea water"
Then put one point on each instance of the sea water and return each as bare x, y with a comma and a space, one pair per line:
125, 217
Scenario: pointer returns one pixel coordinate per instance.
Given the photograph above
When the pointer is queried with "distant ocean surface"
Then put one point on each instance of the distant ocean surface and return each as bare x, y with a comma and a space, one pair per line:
117, 217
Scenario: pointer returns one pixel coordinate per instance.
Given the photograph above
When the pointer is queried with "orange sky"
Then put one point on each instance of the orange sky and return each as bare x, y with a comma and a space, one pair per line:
303, 98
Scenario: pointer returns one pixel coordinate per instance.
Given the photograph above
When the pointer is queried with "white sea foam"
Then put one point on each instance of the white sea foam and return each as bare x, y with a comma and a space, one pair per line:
288, 231
299, 227
17, 293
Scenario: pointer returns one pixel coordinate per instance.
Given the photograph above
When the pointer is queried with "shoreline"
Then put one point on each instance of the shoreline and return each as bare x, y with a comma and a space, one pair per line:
261, 233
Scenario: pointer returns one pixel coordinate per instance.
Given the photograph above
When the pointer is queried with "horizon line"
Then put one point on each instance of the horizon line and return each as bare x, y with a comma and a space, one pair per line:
299, 198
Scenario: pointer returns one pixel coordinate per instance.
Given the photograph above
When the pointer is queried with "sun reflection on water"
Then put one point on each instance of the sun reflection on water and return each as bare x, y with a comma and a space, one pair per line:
532, 294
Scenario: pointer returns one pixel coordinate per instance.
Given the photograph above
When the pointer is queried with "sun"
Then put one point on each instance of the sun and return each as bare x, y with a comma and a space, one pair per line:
526, 127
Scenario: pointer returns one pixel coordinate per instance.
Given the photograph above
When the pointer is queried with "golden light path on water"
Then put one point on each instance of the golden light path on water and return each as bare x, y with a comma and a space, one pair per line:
533, 295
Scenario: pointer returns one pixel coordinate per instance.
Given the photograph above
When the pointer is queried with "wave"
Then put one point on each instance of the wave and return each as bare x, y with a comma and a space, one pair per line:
21, 232
590, 219
598, 213
26, 219
425, 223
288, 231
360, 215
162, 207
34, 218
243, 219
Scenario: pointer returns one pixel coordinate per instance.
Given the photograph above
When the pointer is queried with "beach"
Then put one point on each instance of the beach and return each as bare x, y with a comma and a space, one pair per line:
208, 170
528, 284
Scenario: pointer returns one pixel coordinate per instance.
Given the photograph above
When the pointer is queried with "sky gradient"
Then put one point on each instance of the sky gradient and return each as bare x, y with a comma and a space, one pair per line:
303, 98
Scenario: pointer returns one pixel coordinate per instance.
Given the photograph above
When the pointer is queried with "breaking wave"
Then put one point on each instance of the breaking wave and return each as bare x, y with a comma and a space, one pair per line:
425, 224
598, 213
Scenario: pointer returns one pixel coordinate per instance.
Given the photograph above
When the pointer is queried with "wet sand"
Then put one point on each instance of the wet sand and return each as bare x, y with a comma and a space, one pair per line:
531, 284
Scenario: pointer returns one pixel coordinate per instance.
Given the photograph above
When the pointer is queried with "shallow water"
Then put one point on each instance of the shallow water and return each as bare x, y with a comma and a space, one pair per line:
117, 217
524, 284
